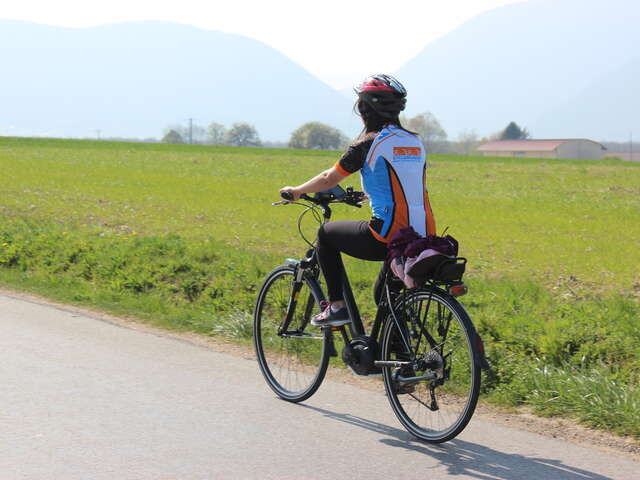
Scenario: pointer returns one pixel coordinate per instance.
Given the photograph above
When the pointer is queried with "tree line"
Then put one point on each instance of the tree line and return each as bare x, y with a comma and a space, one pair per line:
240, 134
317, 135
311, 135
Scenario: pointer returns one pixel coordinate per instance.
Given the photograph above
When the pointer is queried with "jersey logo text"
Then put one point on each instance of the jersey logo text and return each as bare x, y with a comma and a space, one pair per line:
406, 153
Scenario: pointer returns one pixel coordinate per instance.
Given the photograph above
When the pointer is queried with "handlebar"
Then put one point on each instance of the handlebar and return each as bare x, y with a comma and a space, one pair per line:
351, 197
322, 200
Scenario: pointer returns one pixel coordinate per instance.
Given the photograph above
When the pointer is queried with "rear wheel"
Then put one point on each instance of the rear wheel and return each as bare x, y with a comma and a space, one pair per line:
293, 362
442, 350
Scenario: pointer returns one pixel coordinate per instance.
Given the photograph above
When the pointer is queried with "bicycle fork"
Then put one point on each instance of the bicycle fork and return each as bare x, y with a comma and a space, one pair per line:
296, 286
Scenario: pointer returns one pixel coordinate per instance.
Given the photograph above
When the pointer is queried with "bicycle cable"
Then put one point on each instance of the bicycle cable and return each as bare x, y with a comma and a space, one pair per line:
314, 210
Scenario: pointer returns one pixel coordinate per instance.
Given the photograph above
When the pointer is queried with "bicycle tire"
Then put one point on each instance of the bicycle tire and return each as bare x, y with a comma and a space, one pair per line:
455, 396
293, 366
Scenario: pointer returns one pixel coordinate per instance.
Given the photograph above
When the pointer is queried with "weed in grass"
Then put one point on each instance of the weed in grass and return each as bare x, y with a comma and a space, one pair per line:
237, 324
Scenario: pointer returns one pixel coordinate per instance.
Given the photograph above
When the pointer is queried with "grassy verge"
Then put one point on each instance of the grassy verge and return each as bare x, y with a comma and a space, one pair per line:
183, 236
167, 280
593, 396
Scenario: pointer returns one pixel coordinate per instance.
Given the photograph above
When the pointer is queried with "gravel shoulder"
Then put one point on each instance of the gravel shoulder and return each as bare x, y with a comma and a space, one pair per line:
521, 418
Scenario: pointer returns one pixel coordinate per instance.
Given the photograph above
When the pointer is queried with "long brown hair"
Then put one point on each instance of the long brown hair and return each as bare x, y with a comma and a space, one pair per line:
372, 120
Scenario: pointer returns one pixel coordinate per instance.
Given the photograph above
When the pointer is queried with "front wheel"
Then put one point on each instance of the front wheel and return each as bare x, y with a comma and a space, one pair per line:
293, 361
438, 402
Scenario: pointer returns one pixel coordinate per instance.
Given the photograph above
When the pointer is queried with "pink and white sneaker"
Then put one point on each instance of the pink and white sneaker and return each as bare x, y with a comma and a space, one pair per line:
329, 318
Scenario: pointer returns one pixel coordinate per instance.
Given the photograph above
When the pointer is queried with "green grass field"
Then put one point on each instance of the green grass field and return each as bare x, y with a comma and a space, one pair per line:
182, 235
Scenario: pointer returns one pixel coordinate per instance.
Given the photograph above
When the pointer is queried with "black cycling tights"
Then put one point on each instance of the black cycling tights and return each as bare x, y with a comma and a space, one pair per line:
351, 237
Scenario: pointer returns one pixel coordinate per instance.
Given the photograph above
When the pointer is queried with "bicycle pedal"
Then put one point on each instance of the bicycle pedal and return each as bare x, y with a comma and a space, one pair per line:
333, 328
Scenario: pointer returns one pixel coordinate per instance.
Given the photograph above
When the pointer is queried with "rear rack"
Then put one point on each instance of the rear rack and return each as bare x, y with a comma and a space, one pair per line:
450, 271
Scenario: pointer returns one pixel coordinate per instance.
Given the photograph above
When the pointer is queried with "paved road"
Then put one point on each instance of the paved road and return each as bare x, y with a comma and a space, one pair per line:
81, 398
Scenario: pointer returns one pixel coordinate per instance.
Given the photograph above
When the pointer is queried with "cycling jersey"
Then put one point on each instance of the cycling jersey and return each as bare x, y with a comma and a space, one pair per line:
393, 168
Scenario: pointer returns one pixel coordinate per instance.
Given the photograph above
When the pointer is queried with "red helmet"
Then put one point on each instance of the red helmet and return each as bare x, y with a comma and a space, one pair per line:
384, 94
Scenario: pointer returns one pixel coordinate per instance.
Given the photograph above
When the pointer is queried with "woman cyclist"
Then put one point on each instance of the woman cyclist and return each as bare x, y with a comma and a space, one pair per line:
392, 163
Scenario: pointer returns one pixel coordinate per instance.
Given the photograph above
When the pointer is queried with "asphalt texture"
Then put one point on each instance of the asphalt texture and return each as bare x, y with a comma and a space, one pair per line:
82, 398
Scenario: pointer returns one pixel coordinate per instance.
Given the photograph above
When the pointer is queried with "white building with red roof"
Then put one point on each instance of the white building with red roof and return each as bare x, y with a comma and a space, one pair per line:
560, 148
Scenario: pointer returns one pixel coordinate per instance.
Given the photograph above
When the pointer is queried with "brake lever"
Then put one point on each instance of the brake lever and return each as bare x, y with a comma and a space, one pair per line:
288, 198
306, 197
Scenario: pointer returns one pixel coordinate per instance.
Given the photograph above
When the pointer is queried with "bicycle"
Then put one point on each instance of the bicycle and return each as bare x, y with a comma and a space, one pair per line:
422, 340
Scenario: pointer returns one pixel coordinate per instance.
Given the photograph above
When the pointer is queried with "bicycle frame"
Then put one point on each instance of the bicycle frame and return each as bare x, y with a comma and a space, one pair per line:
356, 327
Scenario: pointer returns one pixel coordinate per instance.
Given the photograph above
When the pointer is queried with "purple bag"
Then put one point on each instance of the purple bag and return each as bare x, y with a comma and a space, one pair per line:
406, 242
414, 257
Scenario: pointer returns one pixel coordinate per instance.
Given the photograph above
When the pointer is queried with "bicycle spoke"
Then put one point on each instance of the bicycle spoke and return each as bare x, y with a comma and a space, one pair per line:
423, 330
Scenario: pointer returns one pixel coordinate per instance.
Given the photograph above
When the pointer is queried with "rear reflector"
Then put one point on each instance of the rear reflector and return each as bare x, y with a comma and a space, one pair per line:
458, 290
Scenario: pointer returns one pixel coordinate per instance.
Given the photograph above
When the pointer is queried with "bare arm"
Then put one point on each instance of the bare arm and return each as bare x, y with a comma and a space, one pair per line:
323, 181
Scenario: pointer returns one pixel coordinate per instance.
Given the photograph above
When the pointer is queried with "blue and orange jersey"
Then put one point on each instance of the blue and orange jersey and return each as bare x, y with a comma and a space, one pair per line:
393, 168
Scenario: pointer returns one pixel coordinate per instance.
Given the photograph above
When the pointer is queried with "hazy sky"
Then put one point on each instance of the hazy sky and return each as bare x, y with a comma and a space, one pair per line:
335, 40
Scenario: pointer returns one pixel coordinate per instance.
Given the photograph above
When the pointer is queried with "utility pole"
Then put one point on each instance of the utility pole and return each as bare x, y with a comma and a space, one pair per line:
631, 146
191, 131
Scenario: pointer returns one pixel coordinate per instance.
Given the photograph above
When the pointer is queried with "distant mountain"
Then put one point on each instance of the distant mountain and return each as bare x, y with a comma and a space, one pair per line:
608, 109
135, 79
524, 61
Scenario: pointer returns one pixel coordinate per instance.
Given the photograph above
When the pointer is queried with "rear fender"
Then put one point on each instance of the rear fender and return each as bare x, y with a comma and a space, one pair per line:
481, 358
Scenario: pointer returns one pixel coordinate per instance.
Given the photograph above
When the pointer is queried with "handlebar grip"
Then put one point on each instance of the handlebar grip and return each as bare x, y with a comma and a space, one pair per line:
286, 195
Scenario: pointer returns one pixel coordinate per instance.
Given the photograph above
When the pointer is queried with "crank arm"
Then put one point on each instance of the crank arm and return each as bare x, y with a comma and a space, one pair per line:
391, 364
